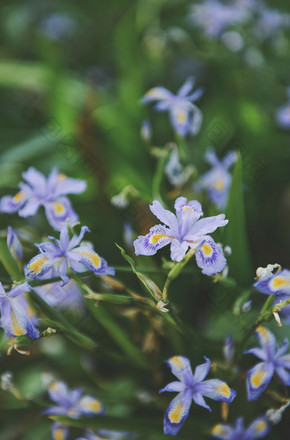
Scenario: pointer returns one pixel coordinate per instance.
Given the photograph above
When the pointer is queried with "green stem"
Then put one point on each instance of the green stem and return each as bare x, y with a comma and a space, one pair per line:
115, 331
157, 179
175, 271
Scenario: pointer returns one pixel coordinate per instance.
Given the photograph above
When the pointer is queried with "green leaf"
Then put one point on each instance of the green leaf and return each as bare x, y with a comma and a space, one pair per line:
70, 331
235, 234
150, 286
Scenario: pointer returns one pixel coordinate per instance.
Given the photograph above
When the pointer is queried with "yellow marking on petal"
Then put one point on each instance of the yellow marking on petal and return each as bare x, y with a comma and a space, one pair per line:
224, 389
263, 332
58, 434
58, 207
187, 208
219, 185
207, 250
177, 362
260, 426
278, 282
157, 237
94, 406
61, 177
17, 330
218, 430
257, 378
92, 256
37, 264
19, 196
176, 413
181, 116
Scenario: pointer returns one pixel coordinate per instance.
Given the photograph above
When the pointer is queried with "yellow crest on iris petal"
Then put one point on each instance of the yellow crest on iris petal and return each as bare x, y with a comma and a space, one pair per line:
260, 426
224, 389
36, 265
58, 434
278, 282
263, 332
155, 238
218, 430
181, 115
93, 405
19, 196
207, 249
176, 361
92, 256
17, 329
58, 208
257, 378
175, 414
219, 185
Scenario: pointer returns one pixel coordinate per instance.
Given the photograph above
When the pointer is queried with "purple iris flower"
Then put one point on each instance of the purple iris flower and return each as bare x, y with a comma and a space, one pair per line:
258, 429
218, 180
16, 317
72, 403
273, 359
55, 258
50, 193
14, 244
191, 387
68, 297
182, 231
186, 118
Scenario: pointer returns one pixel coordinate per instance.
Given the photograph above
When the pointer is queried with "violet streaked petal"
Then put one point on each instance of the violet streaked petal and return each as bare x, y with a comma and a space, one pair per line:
201, 371
210, 258
216, 389
150, 243
39, 266
165, 216
258, 379
208, 225
180, 367
91, 260
177, 412
175, 387
58, 392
